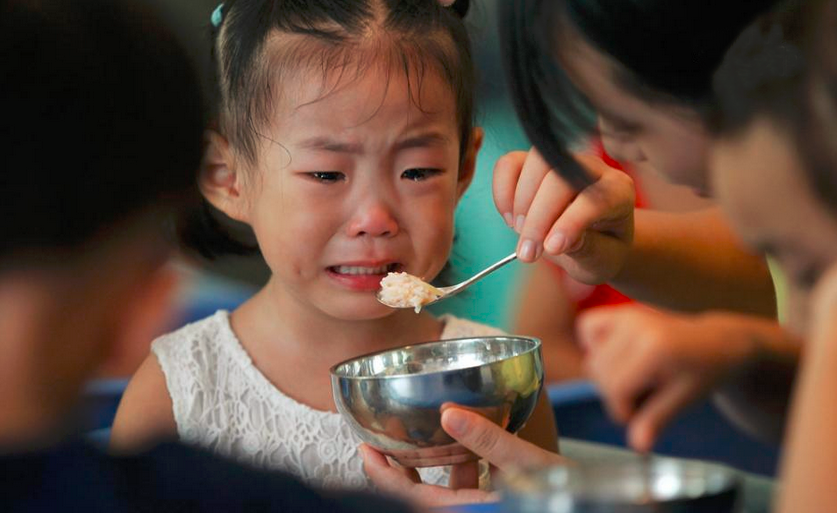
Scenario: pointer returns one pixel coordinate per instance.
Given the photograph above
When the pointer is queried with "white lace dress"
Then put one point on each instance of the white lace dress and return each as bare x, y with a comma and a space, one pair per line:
221, 401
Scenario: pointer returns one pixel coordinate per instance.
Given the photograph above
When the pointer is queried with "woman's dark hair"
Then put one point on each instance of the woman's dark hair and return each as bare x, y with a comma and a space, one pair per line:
101, 120
664, 50
259, 43
775, 71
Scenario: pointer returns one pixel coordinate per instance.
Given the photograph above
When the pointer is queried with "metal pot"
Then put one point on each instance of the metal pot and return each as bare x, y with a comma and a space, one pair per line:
662, 485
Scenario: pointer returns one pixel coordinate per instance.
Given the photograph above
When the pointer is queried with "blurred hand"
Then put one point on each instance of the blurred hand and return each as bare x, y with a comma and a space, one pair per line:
589, 232
650, 365
501, 449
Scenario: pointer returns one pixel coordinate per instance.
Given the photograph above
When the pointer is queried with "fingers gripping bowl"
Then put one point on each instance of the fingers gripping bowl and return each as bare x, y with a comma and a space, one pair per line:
394, 399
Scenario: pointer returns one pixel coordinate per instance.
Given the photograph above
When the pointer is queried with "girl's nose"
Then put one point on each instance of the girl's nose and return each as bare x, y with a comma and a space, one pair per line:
373, 220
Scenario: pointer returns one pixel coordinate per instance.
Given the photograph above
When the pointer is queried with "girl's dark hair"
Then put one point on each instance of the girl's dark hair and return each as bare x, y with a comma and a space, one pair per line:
664, 50
781, 69
259, 43
101, 120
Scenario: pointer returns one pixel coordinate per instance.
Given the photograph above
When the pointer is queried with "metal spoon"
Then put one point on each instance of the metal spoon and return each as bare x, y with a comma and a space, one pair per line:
446, 292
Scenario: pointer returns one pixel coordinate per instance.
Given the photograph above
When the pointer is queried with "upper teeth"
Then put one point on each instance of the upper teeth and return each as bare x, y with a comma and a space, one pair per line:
345, 269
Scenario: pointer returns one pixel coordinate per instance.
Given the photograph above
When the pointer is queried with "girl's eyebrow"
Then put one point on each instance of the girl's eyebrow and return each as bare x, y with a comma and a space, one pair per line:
331, 145
327, 144
422, 141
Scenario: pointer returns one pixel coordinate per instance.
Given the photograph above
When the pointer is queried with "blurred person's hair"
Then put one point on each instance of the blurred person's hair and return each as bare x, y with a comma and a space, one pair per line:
101, 123
820, 148
763, 74
783, 69
665, 52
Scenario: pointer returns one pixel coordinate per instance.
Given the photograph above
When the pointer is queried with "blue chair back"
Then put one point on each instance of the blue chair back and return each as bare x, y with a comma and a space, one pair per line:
98, 409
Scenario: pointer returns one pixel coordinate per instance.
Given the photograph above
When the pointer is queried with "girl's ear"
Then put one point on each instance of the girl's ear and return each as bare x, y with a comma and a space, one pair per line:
469, 163
220, 180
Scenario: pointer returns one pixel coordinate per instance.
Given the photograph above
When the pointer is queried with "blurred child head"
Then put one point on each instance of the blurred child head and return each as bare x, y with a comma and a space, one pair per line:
638, 72
773, 165
344, 139
101, 125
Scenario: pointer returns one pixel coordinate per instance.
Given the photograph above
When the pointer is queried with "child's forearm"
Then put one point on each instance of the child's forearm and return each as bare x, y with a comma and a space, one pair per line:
692, 262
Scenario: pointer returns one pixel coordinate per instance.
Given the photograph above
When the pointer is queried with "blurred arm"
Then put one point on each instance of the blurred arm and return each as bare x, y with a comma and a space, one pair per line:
692, 262
544, 311
810, 462
758, 395
145, 415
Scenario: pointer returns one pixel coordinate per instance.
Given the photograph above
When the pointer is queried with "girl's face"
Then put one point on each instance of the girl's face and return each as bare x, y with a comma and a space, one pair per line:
661, 138
760, 182
354, 180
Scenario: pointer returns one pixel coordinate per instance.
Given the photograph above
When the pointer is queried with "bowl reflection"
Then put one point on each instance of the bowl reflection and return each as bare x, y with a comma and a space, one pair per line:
394, 399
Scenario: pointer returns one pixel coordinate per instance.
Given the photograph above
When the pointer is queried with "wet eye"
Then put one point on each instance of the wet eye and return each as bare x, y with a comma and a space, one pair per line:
327, 176
419, 174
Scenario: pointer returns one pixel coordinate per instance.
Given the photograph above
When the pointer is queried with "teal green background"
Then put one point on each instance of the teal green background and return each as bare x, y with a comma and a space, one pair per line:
482, 236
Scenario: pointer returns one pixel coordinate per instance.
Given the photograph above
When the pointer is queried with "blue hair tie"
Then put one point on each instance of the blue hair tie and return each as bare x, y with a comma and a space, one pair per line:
217, 16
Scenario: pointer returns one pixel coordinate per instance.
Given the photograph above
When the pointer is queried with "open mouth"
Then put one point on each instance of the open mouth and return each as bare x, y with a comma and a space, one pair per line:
353, 270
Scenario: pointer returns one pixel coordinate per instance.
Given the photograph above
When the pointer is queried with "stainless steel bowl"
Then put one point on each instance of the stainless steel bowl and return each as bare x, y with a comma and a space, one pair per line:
393, 399
662, 485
